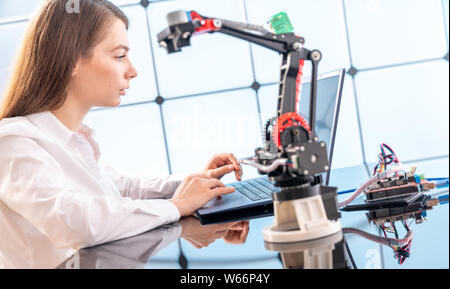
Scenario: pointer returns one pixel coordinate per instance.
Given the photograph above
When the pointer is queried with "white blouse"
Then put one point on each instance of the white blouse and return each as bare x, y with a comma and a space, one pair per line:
55, 193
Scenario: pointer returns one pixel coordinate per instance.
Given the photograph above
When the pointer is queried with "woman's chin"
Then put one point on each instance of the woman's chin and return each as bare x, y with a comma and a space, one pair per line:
116, 102
112, 102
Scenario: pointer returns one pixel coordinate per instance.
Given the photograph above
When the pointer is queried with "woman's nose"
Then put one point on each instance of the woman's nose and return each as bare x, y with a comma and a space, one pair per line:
132, 72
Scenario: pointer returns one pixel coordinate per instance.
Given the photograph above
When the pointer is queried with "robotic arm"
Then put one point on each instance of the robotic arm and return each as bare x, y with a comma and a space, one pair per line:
183, 25
293, 156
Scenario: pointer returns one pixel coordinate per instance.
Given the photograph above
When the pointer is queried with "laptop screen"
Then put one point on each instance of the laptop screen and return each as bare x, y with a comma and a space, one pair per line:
328, 96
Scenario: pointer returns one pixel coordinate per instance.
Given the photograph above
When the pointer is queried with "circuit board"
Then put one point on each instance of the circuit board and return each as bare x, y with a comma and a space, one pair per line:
401, 186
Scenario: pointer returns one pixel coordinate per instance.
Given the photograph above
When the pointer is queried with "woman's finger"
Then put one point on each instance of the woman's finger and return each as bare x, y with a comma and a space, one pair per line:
237, 166
214, 183
220, 172
222, 191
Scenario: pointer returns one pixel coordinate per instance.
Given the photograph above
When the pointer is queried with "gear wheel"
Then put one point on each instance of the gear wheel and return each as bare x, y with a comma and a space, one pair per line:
287, 120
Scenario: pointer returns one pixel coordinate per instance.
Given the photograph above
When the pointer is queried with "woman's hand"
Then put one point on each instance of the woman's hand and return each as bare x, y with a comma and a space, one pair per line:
195, 191
222, 164
202, 236
237, 233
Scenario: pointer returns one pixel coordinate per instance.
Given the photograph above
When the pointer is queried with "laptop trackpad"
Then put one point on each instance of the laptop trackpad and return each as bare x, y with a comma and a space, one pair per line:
234, 199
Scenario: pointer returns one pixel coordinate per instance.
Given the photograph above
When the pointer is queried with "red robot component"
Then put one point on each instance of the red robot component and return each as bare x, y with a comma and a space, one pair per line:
298, 90
207, 25
287, 120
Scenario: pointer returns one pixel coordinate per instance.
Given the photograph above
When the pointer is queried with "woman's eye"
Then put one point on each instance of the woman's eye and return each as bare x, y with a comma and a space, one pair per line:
121, 57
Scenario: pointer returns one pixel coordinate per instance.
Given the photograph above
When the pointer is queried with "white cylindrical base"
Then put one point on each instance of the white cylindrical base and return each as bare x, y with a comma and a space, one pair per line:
274, 235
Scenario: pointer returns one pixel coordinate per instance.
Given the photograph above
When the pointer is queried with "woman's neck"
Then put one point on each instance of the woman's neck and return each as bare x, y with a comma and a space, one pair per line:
71, 113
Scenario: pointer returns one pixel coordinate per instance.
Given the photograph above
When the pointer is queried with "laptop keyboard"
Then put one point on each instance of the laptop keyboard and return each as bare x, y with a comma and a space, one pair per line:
256, 189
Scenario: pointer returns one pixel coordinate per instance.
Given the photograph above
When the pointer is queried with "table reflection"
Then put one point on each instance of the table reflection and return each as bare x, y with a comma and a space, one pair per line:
135, 252
374, 244
323, 253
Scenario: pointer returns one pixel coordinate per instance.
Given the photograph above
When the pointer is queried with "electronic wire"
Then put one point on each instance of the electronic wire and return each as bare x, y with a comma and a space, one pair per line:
266, 169
381, 240
373, 179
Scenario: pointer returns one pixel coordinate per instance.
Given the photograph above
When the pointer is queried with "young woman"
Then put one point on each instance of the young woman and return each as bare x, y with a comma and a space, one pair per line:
53, 186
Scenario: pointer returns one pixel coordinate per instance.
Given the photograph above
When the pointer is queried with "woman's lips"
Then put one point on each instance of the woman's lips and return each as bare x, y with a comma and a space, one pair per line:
122, 92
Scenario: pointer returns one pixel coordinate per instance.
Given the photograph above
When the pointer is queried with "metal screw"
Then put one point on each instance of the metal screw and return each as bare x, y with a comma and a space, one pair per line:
305, 172
322, 144
186, 35
315, 55
302, 148
326, 168
313, 158
297, 46
217, 23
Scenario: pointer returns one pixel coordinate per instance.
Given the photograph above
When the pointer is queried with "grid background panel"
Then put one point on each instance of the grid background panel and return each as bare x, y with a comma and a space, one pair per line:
143, 87
268, 96
445, 8
387, 32
212, 62
381, 34
124, 2
25, 8
347, 146
406, 107
18, 8
131, 139
11, 36
198, 127
321, 23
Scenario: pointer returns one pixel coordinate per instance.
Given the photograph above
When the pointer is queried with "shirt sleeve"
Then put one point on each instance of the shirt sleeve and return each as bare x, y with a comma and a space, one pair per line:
143, 187
33, 184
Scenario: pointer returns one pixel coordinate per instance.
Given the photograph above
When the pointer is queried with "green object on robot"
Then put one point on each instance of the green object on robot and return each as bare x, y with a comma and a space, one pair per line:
281, 24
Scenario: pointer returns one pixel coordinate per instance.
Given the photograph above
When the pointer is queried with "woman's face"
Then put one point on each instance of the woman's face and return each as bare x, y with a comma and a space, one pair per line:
102, 79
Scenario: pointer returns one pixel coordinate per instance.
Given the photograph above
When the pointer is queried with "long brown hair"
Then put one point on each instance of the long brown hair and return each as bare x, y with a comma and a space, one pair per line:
57, 36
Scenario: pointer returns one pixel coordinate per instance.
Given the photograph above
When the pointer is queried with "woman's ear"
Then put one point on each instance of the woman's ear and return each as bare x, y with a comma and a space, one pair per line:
75, 70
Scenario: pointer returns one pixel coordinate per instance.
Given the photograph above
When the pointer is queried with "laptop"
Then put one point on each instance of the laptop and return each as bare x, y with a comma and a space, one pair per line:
253, 197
